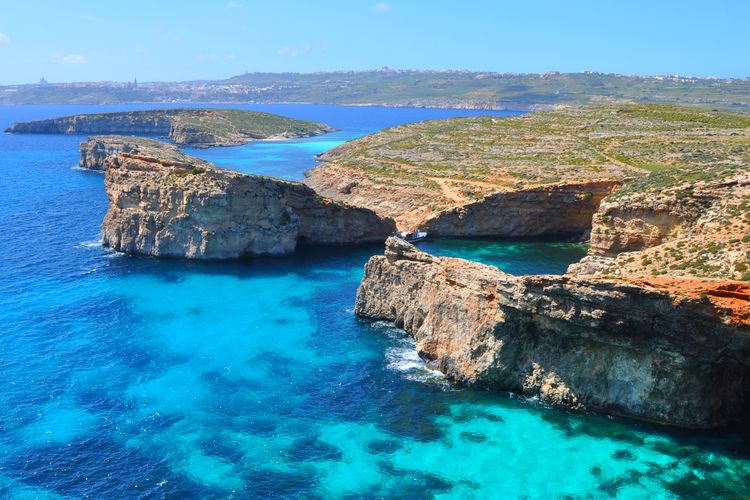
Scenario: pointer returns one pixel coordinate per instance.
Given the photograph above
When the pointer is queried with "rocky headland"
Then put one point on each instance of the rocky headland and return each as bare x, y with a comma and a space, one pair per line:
673, 351
654, 323
166, 207
196, 127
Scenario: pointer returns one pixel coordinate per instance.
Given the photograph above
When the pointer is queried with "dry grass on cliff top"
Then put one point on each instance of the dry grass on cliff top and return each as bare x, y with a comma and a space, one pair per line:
144, 146
479, 155
229, 122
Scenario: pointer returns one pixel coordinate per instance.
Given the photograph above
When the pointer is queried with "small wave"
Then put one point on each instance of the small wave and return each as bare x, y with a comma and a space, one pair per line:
81, 169
90, 244
403, 358
111, 253
97, 245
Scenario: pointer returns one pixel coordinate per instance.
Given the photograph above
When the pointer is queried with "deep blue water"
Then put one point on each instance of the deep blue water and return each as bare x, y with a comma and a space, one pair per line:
126, 376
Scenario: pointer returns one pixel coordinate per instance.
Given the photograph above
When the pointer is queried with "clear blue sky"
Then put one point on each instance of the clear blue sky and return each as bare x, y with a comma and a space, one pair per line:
169, 40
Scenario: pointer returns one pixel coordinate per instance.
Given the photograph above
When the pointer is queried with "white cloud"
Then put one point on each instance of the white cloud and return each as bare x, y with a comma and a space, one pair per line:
73, 59
140, 49
4, 39
234, 5
206, 57
301, 49
382, 7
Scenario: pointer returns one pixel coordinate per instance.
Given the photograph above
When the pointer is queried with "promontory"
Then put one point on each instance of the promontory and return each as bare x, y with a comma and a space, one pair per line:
196, 127
174, 205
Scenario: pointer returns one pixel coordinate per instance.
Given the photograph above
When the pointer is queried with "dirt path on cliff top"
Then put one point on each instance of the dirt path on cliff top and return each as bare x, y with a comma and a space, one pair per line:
450, 192
454, 193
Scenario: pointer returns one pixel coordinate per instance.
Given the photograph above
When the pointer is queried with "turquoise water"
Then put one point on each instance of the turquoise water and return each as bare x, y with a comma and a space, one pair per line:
519, 257
135, 377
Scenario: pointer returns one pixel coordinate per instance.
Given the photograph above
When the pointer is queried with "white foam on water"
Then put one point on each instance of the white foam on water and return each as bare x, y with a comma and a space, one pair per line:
87, 170
402, 357
97, 245
90, 244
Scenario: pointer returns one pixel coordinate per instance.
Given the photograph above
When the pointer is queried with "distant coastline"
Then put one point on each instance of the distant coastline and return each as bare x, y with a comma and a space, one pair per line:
402, 88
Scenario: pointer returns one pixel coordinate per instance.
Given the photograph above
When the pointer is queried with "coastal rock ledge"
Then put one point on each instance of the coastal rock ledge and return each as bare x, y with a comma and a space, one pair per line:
165, 207
669, 350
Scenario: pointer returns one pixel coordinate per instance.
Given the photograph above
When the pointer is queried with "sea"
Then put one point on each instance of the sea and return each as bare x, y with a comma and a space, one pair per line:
134, 377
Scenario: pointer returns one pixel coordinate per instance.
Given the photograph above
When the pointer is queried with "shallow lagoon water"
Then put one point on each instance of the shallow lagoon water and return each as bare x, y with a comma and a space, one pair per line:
125, 376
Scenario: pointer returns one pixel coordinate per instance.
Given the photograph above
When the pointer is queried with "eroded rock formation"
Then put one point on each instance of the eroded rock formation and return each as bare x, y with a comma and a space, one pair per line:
162, 207
668, 350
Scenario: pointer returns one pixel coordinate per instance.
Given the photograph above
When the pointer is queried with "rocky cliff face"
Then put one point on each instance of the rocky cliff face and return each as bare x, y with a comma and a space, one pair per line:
96, 150
555, 210
107, 123
573, 341
163, 208
676, 226
559, 210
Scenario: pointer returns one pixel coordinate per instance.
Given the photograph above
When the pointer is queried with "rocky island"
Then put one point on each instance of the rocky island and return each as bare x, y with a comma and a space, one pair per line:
195, 127
180, 206
654, 323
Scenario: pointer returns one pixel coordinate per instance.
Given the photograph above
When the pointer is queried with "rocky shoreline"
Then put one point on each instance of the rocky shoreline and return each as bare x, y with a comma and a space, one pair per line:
654, 323
573, 341
563, 210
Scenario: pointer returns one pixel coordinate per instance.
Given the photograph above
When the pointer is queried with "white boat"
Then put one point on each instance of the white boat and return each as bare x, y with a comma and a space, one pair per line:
412, 236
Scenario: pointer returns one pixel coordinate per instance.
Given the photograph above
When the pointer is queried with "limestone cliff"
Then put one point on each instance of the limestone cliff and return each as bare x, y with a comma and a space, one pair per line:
692, 222
197, 127
165, 208
96, 150
577, 342
558, 210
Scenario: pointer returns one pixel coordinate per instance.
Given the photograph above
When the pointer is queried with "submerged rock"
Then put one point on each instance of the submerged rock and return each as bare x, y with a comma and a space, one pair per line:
163, 207
672, 351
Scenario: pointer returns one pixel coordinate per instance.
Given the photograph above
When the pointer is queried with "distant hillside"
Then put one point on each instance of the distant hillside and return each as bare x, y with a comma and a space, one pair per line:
406, 88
